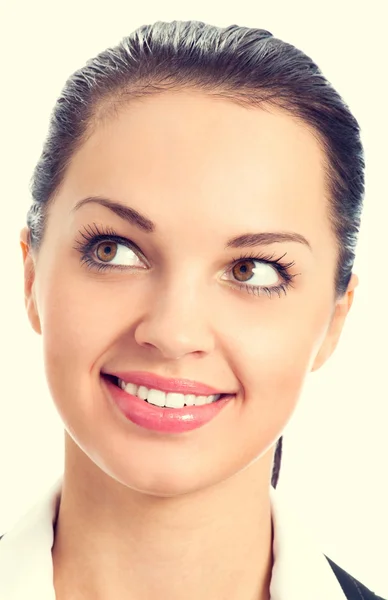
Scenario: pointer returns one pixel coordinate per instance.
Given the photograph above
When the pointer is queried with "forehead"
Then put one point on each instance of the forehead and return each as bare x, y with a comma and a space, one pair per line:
201, 154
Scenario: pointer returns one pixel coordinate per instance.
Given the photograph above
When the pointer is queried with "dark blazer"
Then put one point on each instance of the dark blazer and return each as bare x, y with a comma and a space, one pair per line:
353, 589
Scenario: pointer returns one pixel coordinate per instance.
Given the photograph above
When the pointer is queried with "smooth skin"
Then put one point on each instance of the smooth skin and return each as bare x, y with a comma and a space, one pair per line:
145, 515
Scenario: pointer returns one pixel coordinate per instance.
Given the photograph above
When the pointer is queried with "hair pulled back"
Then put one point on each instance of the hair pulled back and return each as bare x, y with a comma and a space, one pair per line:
248, 66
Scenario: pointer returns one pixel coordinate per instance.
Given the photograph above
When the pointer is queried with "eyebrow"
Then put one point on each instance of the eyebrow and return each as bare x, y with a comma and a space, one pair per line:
246, 240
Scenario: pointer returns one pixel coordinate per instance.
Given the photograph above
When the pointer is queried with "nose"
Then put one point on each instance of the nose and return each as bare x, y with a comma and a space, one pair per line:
176, 323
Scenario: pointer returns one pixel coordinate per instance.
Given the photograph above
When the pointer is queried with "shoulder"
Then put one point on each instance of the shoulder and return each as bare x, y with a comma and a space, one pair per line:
351, 587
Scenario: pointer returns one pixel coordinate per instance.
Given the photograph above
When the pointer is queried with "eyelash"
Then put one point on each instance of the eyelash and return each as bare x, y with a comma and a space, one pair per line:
93, 235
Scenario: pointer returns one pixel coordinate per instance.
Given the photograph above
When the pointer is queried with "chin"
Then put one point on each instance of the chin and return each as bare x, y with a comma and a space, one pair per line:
167, 482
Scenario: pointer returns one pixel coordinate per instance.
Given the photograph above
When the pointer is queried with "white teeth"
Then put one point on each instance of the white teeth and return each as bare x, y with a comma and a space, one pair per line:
156, 397
142, 392
171, 400
174, 400
201, 400
130, 388
190, 399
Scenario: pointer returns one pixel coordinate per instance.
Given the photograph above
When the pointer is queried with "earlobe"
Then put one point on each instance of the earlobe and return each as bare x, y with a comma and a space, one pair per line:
334, 330
29, 280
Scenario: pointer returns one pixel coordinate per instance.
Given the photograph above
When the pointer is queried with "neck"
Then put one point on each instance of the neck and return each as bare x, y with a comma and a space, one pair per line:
216, 543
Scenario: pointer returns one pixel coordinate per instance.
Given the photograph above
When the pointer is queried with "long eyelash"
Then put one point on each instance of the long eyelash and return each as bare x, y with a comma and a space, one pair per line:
281, 267
94, 234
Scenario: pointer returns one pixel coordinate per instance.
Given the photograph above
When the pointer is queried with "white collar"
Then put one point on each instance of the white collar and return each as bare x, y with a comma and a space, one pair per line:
300, 570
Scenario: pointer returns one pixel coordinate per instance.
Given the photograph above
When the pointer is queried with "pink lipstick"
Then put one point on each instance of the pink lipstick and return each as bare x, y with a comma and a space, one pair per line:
163, 419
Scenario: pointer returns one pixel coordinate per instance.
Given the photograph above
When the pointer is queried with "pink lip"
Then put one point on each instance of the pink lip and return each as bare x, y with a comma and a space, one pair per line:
157, 382
164, 420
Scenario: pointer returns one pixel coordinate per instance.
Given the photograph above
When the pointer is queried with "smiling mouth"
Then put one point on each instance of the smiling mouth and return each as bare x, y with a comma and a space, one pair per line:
163, 399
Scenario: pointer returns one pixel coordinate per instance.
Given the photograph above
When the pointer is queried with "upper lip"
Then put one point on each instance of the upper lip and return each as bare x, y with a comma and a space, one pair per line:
157, 382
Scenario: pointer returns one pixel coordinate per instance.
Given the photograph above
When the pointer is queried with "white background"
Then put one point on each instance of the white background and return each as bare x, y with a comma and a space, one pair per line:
334, 468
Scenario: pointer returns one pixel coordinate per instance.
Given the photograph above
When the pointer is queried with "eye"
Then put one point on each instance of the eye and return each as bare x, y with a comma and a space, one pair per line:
255, 272
114, 253
101, 249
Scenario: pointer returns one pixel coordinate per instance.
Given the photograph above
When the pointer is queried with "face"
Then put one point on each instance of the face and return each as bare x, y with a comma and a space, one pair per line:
178, 301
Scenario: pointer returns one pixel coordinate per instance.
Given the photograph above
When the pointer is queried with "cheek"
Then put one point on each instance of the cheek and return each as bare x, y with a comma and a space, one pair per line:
77, 325
273, 357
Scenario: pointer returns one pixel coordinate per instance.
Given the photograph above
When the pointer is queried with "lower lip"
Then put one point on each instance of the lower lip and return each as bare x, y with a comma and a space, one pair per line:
165, 420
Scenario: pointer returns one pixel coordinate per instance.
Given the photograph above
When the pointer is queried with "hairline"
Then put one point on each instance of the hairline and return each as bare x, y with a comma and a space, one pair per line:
111, 104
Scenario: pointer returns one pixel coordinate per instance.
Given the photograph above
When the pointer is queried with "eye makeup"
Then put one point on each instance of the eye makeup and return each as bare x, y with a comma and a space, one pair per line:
94, 236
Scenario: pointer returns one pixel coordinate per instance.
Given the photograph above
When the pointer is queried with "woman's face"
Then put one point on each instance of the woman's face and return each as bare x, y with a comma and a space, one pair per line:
203, 171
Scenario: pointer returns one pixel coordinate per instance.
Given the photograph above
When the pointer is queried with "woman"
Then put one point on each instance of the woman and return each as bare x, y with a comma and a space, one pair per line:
188, 261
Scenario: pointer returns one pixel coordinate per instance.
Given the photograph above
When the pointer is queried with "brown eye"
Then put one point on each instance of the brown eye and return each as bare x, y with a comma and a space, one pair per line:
244, 270
106, 251
116, 254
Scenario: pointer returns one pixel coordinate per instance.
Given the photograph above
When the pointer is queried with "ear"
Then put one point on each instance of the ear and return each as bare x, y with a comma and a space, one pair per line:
334, 331
29, 280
